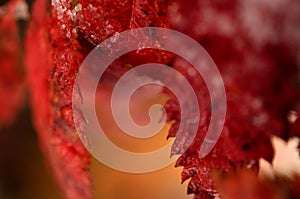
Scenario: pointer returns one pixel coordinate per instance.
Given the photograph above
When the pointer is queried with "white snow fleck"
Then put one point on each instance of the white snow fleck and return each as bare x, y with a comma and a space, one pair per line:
78, 7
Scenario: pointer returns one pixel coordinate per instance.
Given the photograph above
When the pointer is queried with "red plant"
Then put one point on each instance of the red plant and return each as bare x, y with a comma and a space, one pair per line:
11, 71
255, 44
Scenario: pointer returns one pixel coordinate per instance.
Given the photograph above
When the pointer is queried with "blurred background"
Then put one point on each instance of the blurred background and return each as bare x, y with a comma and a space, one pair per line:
24, 173
23, 170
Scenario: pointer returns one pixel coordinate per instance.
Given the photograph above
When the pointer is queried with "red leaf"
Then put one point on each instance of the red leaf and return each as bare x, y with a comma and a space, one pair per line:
11, 71
258, 62
65, 37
